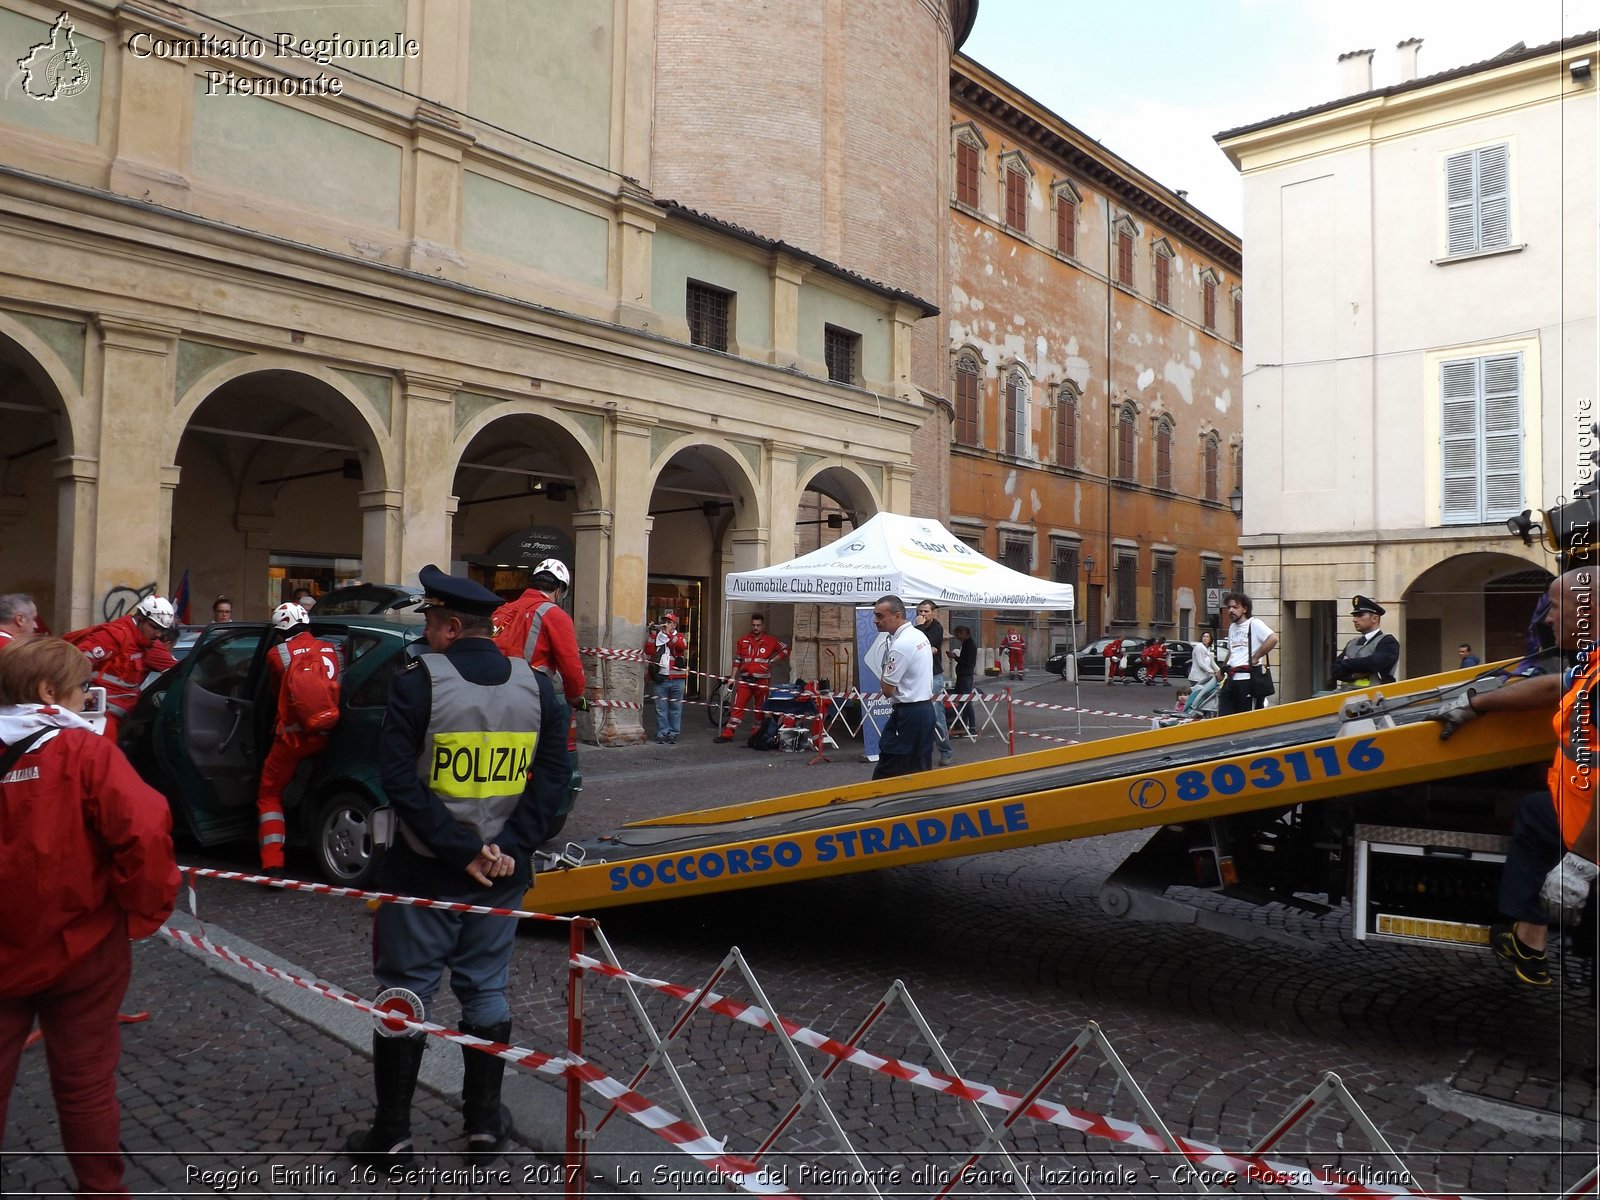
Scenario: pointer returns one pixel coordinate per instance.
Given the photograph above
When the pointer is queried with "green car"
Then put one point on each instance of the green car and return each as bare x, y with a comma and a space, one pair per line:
202, 730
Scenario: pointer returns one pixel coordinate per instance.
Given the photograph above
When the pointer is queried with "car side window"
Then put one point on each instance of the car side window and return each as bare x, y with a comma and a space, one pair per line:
373, 691
222, 666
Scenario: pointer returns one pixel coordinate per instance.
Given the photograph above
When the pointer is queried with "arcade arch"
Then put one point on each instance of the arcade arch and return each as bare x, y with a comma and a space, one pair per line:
282, 486
704, 520
1483, 598
520, 479
835, 499
37, 477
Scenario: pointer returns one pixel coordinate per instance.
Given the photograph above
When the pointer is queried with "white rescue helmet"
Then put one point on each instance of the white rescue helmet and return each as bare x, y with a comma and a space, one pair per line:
287, 616
556, 569
157, 611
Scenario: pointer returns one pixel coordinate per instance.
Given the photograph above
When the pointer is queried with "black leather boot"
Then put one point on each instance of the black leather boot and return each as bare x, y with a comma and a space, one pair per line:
488, 1121
395, 1063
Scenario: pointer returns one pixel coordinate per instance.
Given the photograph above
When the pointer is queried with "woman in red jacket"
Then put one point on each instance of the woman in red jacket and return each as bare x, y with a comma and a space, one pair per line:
85, 865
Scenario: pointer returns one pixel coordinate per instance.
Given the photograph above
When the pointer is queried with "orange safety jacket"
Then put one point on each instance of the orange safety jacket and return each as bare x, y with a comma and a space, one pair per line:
1572, 775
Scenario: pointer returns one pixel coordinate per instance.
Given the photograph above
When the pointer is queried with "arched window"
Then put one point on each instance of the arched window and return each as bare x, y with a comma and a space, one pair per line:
1164, 454
1017, 390
1067, 426
1127, 438
969, 376
1213, 455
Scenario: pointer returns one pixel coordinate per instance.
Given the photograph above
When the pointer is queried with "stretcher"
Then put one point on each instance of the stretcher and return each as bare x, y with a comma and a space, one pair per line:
1376, 740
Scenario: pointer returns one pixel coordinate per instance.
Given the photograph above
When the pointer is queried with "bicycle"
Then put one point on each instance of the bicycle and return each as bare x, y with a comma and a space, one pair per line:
718, 704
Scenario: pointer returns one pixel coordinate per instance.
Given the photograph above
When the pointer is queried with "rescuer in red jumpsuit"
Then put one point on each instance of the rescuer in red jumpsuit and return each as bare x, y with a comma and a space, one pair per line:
753, 657
125, 651
290, 741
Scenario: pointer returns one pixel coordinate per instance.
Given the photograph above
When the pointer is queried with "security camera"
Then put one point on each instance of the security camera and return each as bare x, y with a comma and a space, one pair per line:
1580, 70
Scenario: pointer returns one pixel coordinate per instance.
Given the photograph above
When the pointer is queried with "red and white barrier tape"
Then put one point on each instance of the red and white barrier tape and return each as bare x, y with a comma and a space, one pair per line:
328, 889
1252, 1168
686, 1137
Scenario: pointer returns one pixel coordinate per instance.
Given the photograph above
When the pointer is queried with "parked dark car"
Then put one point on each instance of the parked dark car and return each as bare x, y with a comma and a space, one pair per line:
1092, 659
368, 600
201, 732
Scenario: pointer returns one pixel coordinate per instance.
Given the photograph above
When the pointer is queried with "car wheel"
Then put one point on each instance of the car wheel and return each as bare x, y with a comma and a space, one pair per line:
342, 840
1143, 675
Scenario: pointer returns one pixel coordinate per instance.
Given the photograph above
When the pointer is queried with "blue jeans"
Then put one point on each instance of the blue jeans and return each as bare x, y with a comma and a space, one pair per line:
411, 947
941, 723
668, 695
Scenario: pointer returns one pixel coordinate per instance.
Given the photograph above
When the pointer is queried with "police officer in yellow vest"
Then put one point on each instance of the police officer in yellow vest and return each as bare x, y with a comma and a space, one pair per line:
473, 759
1371, 656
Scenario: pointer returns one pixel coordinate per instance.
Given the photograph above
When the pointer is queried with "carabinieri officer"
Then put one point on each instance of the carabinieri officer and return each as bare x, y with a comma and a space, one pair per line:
473, 758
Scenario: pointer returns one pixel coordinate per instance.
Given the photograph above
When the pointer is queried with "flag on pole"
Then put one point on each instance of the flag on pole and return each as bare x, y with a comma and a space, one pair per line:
180, 599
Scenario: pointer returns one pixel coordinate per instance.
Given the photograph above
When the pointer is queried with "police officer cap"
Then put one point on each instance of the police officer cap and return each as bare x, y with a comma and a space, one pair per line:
453, 592
1363, 605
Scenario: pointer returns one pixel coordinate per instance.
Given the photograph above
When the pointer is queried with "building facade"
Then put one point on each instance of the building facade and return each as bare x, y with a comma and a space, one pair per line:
400, 286
1093, 351
1421, 357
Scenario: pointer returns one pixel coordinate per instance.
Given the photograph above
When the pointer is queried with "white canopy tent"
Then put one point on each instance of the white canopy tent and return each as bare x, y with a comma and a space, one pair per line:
915, 558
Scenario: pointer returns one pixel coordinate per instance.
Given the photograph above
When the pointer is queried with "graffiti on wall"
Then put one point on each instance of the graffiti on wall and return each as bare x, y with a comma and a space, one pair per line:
120, 601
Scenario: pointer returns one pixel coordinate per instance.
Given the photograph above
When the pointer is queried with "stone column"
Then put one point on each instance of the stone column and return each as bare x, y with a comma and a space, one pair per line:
783, 497
593, 534
132, 521
427, 469
382, 521
622, 625
169, 485
76, 477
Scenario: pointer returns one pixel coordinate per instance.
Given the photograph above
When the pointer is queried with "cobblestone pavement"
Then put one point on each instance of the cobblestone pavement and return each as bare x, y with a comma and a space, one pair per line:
1479, 1085
223, 1093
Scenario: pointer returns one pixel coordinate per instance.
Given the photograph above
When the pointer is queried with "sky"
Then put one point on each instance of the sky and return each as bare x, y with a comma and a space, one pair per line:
1156, 80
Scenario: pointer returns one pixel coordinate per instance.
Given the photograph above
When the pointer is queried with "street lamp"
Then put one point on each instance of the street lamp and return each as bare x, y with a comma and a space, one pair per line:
1236, 501
1525, 527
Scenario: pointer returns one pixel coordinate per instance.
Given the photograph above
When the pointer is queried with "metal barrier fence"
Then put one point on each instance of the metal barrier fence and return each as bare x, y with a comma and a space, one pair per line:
817, 1063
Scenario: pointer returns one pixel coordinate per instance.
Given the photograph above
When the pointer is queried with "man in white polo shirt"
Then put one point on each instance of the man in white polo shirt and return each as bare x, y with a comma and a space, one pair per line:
907, 678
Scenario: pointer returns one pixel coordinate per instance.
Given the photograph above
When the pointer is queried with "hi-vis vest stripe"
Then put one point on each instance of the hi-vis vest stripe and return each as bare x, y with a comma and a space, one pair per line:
477, 765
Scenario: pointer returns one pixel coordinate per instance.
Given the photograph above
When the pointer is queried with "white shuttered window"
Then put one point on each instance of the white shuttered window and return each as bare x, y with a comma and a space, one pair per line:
1478, 199
1481, 442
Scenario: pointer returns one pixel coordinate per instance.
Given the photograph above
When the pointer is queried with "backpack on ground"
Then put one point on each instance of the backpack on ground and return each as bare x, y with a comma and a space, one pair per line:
310, 696
765, 736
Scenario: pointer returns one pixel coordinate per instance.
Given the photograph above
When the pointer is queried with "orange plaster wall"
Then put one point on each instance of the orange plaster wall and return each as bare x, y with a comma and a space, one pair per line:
1015, 301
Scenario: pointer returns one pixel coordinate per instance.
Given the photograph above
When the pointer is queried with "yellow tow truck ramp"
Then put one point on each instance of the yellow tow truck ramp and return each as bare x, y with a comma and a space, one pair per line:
1329, 747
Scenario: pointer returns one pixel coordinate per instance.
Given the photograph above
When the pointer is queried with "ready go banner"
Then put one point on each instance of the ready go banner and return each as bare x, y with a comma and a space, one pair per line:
870, 648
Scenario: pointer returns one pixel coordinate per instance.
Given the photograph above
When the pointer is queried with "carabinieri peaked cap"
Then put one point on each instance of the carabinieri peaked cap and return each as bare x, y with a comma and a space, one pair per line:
452, 591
